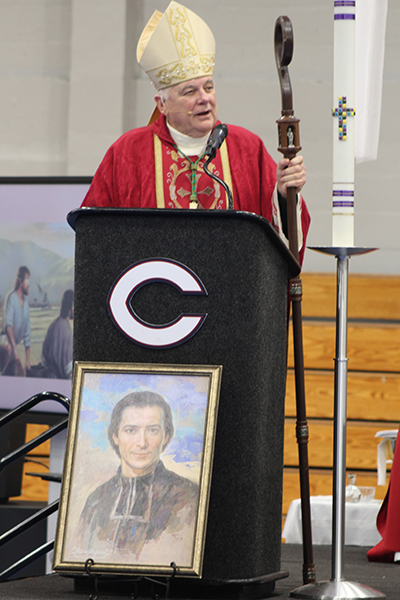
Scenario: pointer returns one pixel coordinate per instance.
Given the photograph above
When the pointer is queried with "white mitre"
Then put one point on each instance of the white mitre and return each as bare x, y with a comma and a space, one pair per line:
176, 46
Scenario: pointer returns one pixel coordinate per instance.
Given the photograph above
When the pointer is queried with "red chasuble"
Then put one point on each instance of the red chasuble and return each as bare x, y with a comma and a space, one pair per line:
143, 169
388, 520
176, 177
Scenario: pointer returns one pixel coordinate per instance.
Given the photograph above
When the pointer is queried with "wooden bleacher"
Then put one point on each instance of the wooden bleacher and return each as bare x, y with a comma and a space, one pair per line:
373, 386
38, 461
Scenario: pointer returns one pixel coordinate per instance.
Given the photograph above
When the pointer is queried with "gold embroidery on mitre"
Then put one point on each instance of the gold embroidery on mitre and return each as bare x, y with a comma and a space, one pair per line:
178, 71
182, 35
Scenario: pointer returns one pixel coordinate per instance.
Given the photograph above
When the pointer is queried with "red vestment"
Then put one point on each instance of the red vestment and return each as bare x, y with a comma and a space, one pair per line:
127, 176
388, 520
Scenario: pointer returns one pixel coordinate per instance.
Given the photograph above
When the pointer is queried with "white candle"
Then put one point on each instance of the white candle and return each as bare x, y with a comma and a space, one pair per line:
343, 123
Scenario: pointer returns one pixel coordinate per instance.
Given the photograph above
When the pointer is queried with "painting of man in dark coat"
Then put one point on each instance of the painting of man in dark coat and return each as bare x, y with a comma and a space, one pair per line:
144, 505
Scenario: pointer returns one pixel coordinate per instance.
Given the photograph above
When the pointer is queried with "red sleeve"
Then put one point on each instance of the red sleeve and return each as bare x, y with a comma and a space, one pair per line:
125, 177
100, 192
254, 178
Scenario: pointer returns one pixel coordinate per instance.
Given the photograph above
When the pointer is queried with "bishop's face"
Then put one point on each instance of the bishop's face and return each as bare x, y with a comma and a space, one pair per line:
191, 106
140, 439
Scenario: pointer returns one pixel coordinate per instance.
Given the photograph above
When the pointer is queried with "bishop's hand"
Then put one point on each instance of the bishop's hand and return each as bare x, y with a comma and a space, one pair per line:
290, 173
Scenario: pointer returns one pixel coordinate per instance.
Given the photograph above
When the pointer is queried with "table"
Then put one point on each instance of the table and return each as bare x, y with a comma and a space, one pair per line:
360, 527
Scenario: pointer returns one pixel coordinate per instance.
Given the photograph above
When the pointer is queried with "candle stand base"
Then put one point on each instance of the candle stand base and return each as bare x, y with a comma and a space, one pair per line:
338, 588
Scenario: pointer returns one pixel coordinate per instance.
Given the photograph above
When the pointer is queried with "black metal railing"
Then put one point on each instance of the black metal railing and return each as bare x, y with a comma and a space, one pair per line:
15, 455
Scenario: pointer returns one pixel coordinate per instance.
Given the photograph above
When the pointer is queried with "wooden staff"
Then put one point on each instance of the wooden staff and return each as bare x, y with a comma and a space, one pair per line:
289, 145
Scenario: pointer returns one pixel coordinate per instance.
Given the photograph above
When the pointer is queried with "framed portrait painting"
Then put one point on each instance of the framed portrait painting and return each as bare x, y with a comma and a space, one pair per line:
137, 470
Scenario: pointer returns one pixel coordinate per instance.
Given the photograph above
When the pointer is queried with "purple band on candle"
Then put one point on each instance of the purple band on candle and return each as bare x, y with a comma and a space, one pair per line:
342, 193
345, 2
343, 204
345, 17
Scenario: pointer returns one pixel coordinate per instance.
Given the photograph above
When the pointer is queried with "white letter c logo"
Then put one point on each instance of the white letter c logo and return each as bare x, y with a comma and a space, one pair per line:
146, 334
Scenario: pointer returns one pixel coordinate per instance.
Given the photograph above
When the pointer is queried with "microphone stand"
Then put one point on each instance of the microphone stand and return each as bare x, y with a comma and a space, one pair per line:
289, 138
218, 179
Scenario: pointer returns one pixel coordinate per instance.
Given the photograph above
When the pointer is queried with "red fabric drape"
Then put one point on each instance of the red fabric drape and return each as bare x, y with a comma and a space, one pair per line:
388, 520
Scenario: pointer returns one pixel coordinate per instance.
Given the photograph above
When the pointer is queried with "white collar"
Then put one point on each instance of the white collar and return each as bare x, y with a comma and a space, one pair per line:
188, 145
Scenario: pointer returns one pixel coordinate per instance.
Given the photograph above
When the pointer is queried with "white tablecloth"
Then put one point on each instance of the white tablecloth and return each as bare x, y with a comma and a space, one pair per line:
360, 524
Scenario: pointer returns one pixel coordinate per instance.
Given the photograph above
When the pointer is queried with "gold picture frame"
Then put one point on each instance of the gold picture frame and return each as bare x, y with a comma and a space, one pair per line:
137, 470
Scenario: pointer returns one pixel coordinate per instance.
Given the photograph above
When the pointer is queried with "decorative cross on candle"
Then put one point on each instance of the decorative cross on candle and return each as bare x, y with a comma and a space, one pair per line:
342, 112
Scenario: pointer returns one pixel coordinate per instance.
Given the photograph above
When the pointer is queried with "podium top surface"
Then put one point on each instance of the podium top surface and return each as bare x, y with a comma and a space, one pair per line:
293, 265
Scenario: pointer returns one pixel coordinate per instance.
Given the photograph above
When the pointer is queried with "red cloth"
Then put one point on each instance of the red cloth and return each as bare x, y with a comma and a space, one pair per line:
126, 176
388, 519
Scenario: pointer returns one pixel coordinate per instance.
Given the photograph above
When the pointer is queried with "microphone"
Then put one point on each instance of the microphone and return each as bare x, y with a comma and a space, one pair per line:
215, 140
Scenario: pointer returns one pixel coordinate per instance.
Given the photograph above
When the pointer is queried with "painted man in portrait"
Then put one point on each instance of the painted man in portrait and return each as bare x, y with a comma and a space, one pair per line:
143, 503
